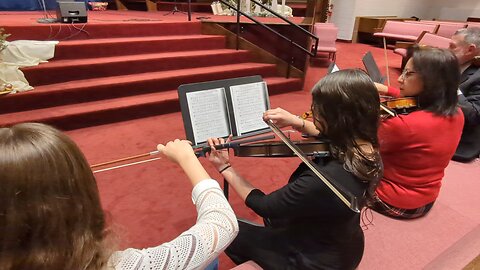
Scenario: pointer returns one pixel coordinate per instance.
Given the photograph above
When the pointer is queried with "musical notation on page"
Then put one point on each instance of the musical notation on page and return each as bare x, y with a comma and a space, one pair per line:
249, 103
208, 114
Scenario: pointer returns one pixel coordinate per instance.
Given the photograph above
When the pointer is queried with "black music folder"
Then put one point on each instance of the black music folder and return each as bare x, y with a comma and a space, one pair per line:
332, 68
372, 68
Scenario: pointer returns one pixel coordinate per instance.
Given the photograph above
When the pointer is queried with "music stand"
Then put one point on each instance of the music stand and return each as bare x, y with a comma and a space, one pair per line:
175, 9
372, 68
239, 104
45, 18
332, 68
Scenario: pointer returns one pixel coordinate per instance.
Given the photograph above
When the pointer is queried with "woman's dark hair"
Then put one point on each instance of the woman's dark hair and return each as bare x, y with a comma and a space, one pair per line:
50, 211
346, 105
440, 74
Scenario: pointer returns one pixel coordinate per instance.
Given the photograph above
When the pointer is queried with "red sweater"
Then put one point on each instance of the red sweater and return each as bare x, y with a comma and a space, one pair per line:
415, 150
393, 92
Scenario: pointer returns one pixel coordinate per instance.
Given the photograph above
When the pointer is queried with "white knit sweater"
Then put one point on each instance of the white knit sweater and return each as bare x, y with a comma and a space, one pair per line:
195, 248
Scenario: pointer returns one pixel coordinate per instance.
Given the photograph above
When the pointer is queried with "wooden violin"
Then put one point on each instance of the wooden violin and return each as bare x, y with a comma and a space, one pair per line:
389, 107
396, 106
280, 149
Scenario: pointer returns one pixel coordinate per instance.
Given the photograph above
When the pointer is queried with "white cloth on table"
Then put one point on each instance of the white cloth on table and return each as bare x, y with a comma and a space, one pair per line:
23, 53
195, 248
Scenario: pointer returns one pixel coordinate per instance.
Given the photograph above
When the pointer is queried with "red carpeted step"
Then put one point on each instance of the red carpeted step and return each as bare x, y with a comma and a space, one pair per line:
126, 85
119, 109
122, 65
104, 29
91, 48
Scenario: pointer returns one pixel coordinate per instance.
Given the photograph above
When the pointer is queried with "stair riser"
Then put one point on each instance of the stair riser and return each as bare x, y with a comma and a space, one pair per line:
66, 32
82, 120
131, 48
35, 100
76, 121
42, 75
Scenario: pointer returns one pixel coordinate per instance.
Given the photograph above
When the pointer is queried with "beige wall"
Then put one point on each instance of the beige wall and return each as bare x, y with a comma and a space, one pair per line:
345, 11
458, 10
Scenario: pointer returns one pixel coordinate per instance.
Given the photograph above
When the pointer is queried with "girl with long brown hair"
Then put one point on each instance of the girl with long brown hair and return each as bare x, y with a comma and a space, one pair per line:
51, 216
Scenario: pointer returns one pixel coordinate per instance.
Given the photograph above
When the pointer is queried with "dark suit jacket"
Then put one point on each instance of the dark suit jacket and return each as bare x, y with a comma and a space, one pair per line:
469, 147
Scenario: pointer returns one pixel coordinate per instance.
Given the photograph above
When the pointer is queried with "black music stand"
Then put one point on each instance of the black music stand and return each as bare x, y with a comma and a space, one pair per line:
227, 92
372, 68
175, 9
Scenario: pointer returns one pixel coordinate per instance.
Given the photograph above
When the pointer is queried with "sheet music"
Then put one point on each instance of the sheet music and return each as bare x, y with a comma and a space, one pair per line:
249, 102
208, 114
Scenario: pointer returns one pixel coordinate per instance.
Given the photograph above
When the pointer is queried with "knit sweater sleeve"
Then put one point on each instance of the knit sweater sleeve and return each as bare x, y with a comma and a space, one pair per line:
215, 229
393, 92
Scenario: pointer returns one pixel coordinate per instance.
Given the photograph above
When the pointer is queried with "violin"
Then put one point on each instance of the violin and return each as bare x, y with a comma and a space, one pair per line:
389, 106
249, 148
396, 106
315, 149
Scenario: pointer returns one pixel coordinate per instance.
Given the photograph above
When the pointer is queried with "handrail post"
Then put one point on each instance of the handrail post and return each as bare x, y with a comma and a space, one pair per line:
238, 24
290, 62
292, 43
189, 11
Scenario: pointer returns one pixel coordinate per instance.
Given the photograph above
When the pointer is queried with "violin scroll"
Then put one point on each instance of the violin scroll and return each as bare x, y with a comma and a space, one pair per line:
306, 115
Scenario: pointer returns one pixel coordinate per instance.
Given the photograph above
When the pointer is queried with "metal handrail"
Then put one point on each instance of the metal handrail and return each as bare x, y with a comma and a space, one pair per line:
292, 43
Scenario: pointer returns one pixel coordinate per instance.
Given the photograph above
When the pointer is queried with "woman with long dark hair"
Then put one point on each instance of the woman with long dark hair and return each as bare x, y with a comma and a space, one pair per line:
306, 225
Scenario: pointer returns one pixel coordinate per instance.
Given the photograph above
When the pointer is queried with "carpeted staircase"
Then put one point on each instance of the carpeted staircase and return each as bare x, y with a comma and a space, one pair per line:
129, 71
204, 6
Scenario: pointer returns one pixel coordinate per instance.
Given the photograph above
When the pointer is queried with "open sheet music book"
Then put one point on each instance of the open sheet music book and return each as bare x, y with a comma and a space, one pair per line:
224, 107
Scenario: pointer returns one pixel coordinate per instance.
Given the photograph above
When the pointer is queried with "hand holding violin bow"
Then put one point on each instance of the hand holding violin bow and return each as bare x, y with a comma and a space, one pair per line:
282, 118
177, 150
181, 153
219, 158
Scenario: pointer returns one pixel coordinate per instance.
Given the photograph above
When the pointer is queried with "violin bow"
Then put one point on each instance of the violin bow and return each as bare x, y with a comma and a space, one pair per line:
388, 110
198, 153
386, 60
351, 203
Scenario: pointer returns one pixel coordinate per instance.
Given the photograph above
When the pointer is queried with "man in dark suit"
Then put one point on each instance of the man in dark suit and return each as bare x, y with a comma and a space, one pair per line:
466, 46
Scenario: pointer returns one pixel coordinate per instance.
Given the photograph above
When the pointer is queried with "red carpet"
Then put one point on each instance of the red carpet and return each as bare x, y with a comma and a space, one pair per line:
122, 66
144, 200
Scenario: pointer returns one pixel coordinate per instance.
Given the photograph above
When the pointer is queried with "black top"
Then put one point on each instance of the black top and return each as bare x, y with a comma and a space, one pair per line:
310, 226
469, 147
